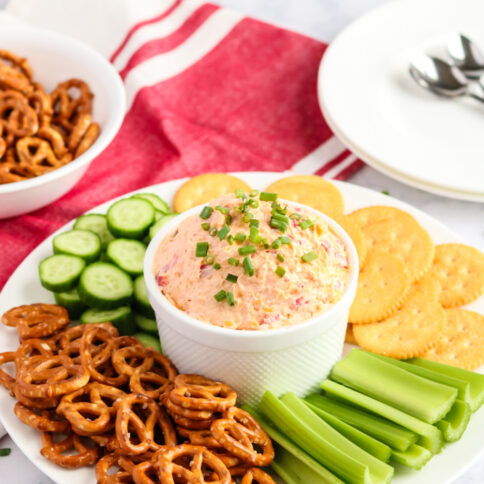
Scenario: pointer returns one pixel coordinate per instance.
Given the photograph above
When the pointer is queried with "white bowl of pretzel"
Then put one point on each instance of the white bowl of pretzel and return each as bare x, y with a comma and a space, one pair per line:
61, 104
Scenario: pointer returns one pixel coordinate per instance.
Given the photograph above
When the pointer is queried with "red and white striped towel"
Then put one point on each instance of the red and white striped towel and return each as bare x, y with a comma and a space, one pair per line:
208, 90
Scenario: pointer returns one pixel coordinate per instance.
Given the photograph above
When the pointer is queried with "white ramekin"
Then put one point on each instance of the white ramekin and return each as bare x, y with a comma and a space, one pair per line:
295, 358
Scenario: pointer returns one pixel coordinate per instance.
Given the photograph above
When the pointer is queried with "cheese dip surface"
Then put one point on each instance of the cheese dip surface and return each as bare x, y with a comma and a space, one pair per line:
250, 262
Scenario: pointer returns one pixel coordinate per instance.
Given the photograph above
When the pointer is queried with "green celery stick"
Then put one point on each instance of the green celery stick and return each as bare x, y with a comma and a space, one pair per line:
424, 399
367, 443
455, 422
415, 457
380, 472
383, 430
462, 386
318, 446
293, 471
430, 437
476, 380
301, 463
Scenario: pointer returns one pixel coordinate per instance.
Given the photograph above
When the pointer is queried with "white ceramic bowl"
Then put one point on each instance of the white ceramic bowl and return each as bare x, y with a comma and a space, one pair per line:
55, 58
296, 358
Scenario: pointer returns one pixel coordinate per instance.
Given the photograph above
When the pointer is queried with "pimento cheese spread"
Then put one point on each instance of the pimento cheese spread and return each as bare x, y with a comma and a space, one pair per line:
224, 268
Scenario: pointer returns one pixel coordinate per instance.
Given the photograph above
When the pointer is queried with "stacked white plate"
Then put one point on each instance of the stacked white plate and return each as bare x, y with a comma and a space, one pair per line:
381, 114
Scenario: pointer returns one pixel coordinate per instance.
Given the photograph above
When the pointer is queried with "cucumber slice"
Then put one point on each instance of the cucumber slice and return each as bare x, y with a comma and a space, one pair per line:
105, 286
163, 220
60, 272
128, 254
146, 324
159, 215
95, 222
157, 202
83, 243
121, 317
149, 340
141, 301
130, 218
71, 301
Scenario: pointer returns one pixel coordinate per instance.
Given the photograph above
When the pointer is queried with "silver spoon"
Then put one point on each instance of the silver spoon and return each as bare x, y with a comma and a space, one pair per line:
466, 55
442, 78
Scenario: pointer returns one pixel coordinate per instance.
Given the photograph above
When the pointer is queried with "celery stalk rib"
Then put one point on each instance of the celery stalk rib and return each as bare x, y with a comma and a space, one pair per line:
300, 459
317, 446
424, 399
430, 437
476, 380
366, 442
455, 422
415, 457
381, 429
379, 471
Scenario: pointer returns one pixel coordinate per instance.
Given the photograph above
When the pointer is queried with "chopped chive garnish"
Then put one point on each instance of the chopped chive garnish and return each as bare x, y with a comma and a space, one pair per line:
248, 267
249, 249
309, 256
278, 224
223, 210
254, 193
268, 197
217, 266
246, 218
230, 298
209, 260
233, 261
202, 249
228, 219
240, 193
295, 215
254, 235
280, 271
4, 452
206, 226
280, 216
231, 278
276, 244
254, 223
280, 258
386, 192
265, 243
206, 212
213, 231
230, 239
222, 233
285, 239
240, 237
306, 224
220, 296
254, 203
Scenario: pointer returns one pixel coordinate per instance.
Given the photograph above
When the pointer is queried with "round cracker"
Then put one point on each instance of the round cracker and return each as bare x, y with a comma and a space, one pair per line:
204, 188
413, 329
383, 285
459, 270
349, 337
462, 341
310, 190
357, 236
393, 230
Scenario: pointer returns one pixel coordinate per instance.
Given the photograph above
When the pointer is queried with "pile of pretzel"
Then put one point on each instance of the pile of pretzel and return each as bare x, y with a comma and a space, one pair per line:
40, 132
124, 407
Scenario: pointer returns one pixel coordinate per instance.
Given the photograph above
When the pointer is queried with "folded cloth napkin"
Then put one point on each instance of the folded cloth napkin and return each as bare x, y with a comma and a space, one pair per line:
208, 90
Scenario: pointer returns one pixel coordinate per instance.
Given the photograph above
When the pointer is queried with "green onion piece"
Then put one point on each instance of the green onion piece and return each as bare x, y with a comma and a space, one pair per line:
240, 193
202, 249
230, 239
247, 217
248, 267
296, 216
265, 243
220, 296
309, 256
254, 235
213, 231
285, 239
280, 271
254, 193
222, 233
206, 226
206, 212
254, 203
233, 261
240, 237
278, 224
280, 258
430, 436
228, 219
249, 249
276, 244
230, 298
222, 210
415, 457
306, 224
455, 422
424, 399
5, 451
209, 260
253, 223
217, 266
231, 278
268, 197
385, 192
280, 216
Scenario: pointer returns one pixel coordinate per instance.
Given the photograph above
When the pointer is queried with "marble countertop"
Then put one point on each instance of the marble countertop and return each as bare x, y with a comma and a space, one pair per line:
322, 19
